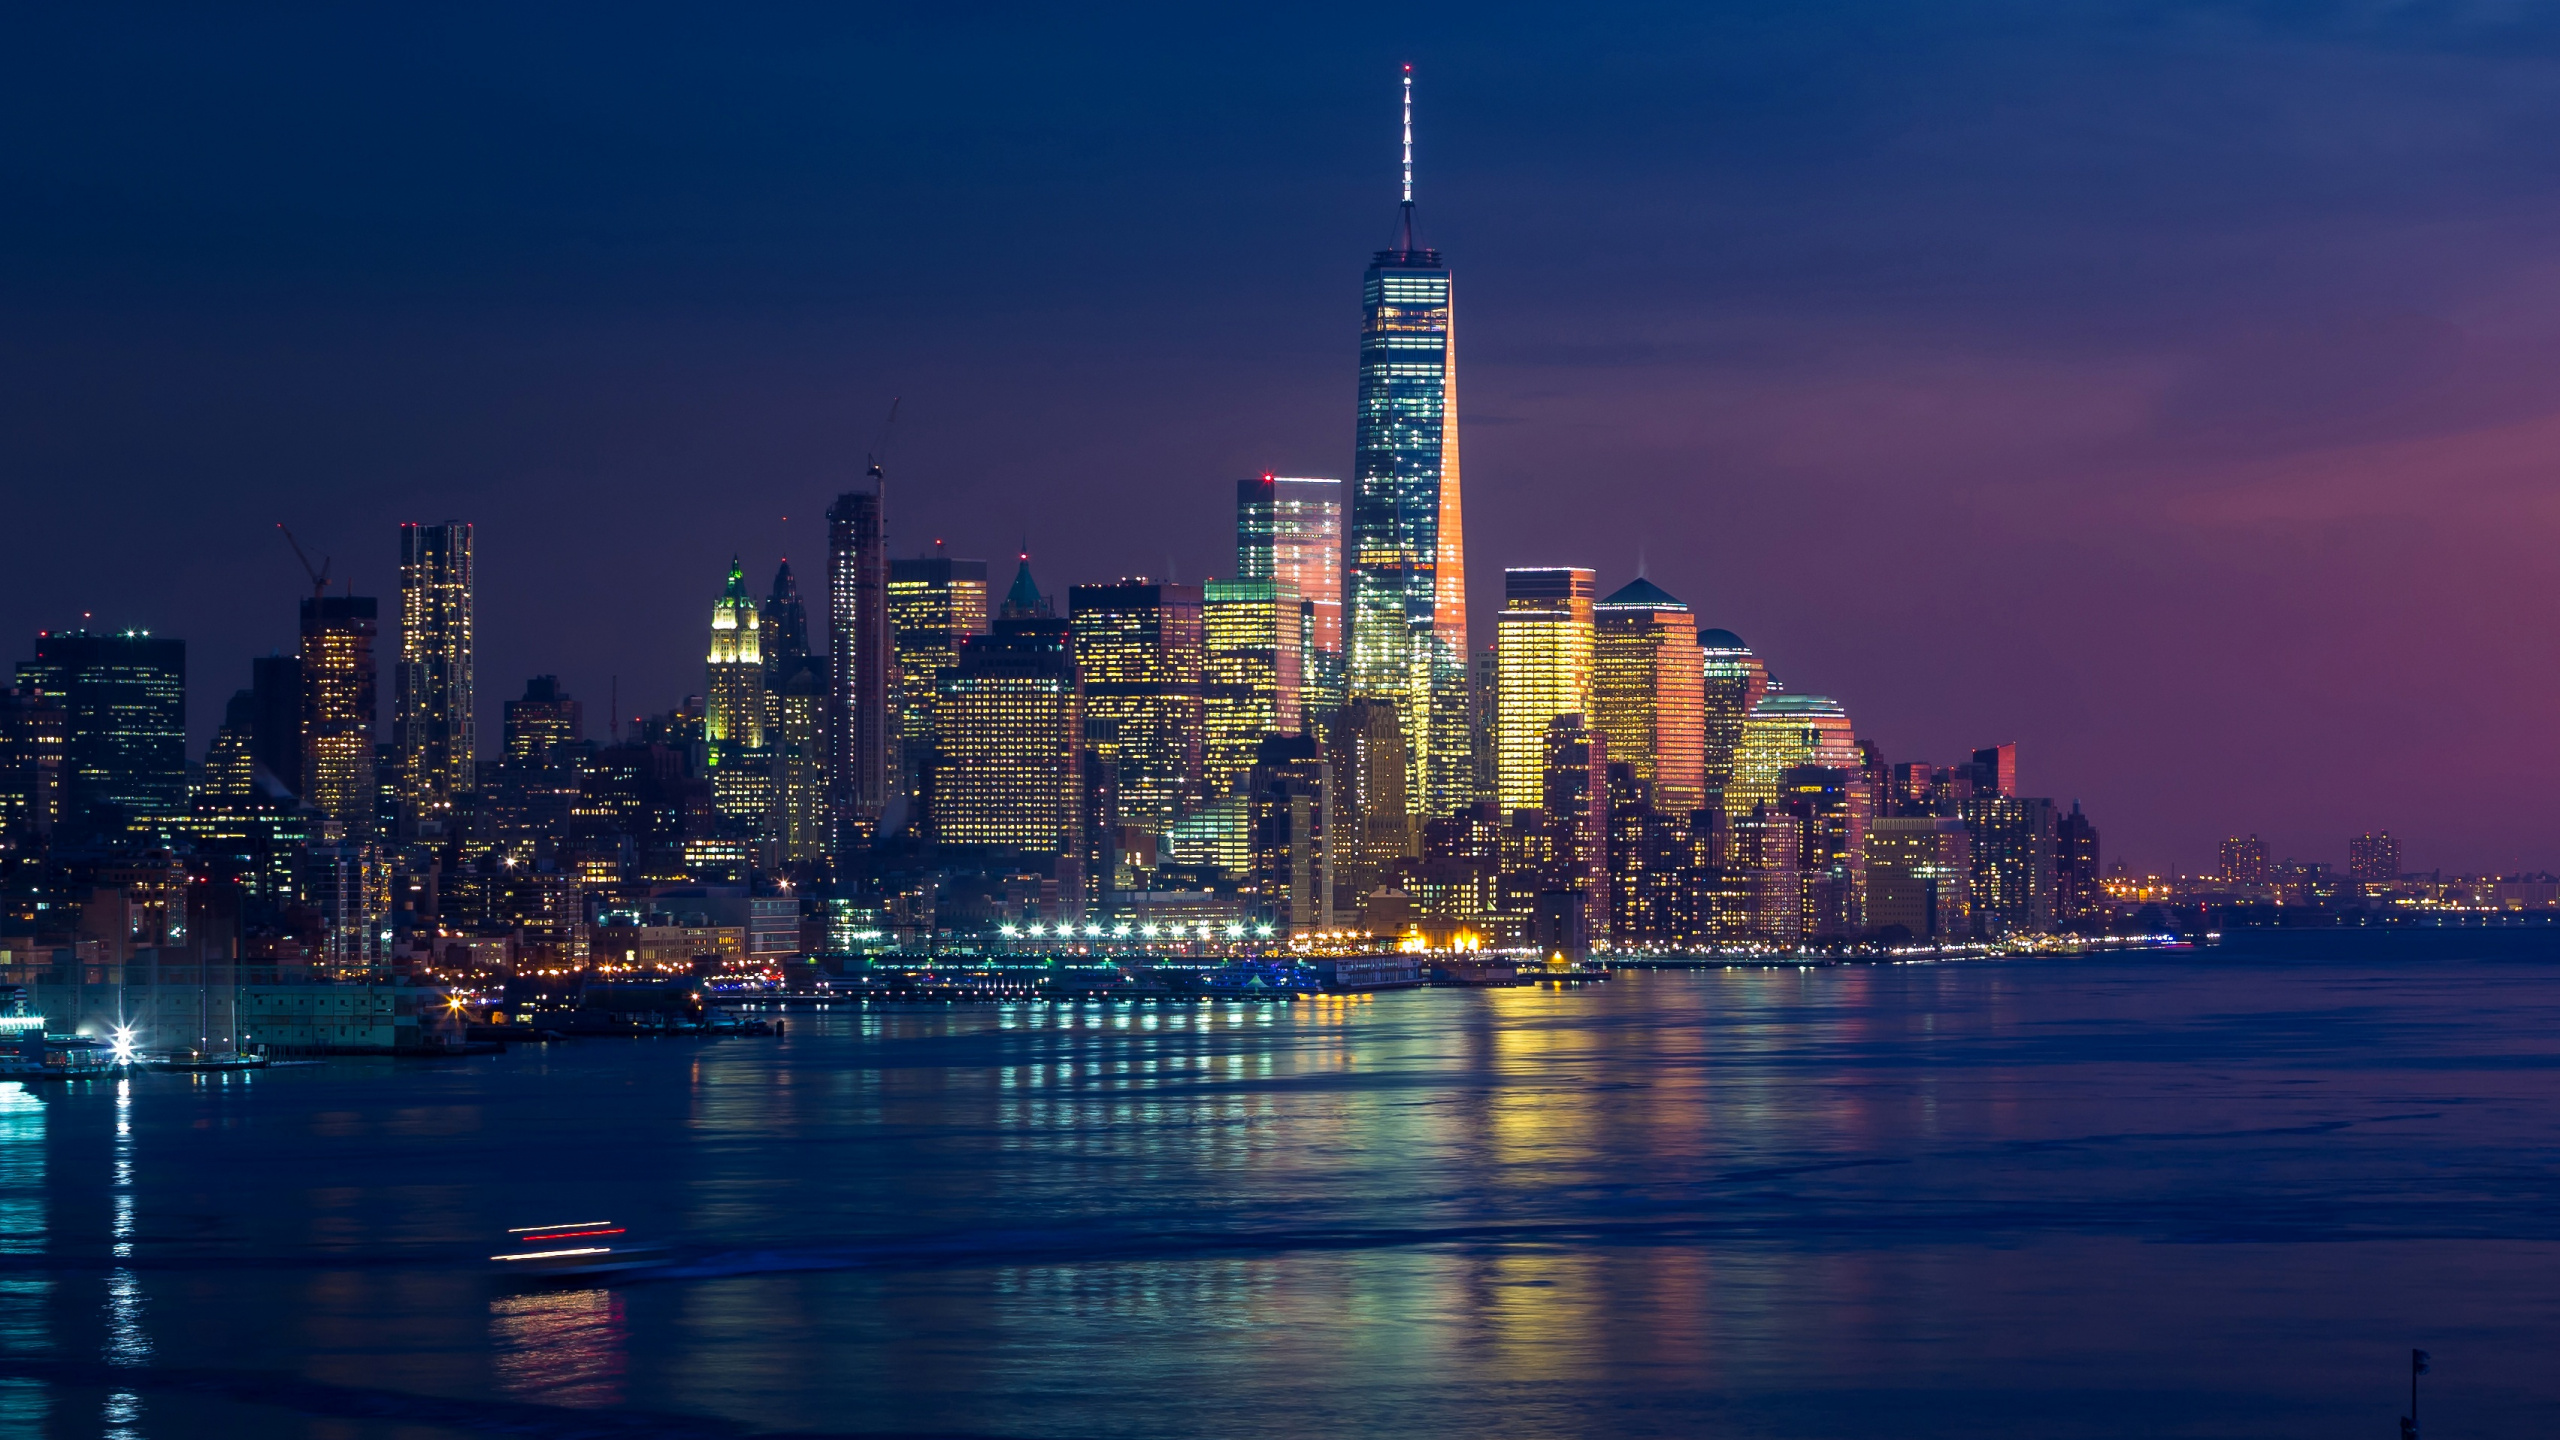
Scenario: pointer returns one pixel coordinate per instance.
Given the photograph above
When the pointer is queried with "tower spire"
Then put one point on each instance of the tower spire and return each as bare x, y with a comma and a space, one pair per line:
1408, 158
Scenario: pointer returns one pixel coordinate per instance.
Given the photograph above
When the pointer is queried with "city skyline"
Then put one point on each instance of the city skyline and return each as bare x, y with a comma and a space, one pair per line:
2101, 701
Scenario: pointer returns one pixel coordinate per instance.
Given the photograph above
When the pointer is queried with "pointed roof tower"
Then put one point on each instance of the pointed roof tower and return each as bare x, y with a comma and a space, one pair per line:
1024, 601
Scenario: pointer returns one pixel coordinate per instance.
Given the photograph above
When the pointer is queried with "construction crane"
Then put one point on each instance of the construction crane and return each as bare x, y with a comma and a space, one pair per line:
320, 576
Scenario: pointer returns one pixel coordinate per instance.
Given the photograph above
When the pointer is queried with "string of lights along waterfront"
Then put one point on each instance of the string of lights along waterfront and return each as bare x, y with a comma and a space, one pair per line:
1304, 759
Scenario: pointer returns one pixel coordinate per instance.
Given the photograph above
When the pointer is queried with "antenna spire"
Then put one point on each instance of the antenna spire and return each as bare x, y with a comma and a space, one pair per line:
1408, 158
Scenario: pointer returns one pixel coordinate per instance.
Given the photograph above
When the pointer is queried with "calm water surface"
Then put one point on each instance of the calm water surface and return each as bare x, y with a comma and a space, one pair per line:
2134, 1197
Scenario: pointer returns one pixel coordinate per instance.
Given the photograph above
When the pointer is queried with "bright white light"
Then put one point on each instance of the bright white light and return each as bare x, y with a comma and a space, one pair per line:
122, 1036
1235, 929
1092, 929
1120, 929
1011, 930
1149, 931
1037, 932
1264, 931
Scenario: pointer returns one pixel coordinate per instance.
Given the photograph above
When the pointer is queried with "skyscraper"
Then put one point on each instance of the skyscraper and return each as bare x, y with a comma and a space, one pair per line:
734, 710
432, 711
1919, 871
123, 700
1574, 792
2373, 860
1408, 586
275, 734
936, 602
2013, 861
32, 742
1008, 768
1647, 692
338, 707
2078, 897
1289, 810
785, 632
1542, 652
1372, 826
1782, 732
1252, 673
1138, 654
2244, 861
858, 660
1735, 680
543, 723
1289, 529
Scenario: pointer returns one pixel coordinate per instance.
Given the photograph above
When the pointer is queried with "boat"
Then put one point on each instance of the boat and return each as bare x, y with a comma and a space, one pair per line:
27, 1053
210, 1061
586, 1250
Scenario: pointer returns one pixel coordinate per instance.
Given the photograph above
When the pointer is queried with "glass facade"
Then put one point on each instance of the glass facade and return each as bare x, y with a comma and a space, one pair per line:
1251, 668
1006, 773
936, 603
123, 705
1408, 591
1542, 655
1781, 733
338, 702
1735, 680
433, 711
1138, 654
1647, 693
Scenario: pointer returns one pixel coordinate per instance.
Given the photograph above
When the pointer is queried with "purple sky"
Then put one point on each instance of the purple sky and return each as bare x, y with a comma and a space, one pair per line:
2168, 390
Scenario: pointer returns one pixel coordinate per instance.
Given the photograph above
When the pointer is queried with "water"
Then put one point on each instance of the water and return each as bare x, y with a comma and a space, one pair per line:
2148, 1196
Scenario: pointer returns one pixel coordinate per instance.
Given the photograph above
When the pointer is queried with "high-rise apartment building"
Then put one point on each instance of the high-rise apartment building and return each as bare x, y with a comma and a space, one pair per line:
1289, 530
2244, 861
433, 715
2079, 894
123, 702
1735, 681
1008, 764
1484, 717
936, 603
338, 707
1781, 732
2373, 860
1767, 856
2013, 861
859, 665
1138, 651
1252, 675
1832, 806
1407, 596
1542, 653
1648, 693
796, 749
735, 714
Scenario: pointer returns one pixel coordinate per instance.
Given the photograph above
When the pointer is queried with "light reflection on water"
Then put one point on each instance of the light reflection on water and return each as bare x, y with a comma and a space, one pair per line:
2155, 1197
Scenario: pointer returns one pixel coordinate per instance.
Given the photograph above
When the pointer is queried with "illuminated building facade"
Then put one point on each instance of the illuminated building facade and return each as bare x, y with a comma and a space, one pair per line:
1404, 537
338, 704
1734, 681
1542, 653
1251, 674
1289, 530
1648, 695
796, 753
1767, 850
2079, 892
859, 665
734, 716
433, 714
2373, 860
1782, 732
1919, 871
33, 739
1138, 652
2013, 861
936, 603
1007, 771
1574, 794
784, 634
123, 703
1372, 826
1831, 806
540, 728
2244, 861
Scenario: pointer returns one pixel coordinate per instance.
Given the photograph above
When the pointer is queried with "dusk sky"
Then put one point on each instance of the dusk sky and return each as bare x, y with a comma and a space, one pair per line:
2170, 390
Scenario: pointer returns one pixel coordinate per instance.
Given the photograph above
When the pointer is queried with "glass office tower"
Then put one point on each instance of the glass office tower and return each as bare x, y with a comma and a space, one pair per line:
1251, 674
1542, 650
1648, 694
1289, 529
338, 708
1408, 588
122, 699
432, 703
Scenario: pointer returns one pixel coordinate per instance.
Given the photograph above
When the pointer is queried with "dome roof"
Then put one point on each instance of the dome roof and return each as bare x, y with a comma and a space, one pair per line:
1720, 640
1776, 703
